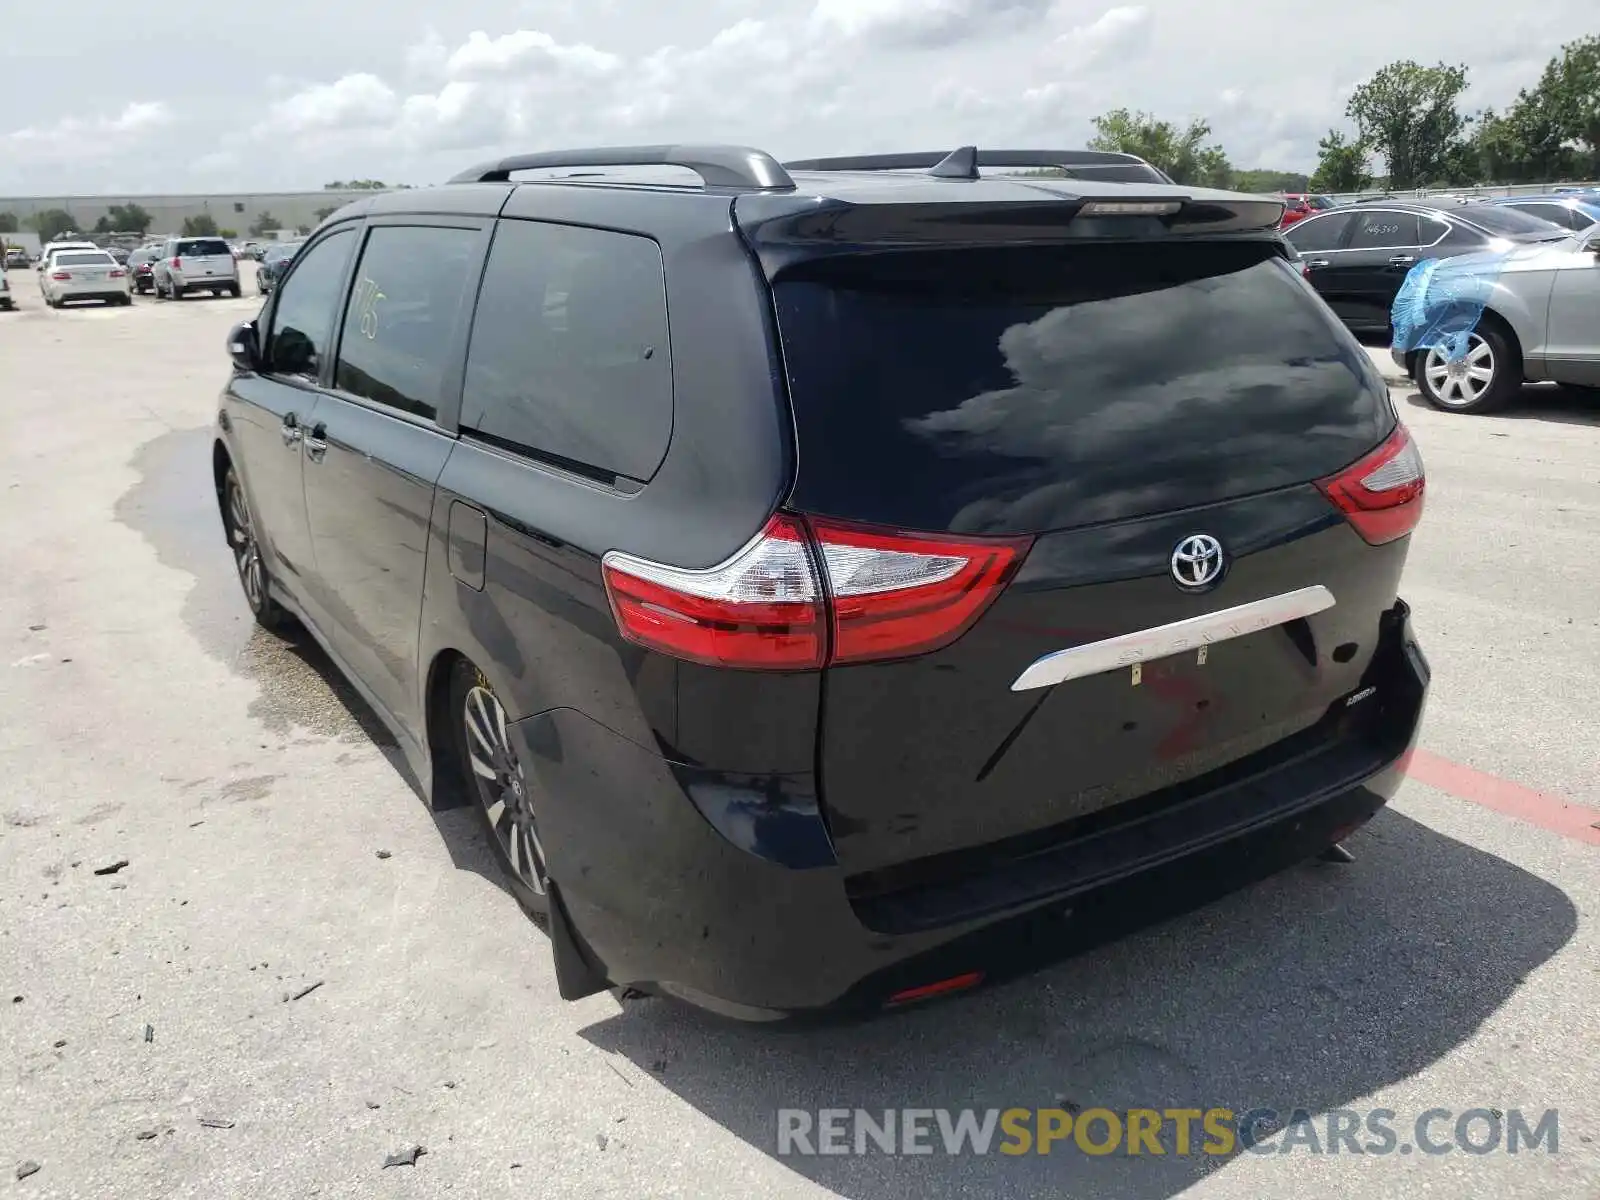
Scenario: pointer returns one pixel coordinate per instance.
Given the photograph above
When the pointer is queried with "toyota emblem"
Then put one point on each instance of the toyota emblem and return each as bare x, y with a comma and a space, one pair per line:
1197, 562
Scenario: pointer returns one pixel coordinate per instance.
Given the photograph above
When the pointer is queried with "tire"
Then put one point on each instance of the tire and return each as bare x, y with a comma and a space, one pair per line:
495, 779
234, 291
176, 291
243, 539
1487, 376
125, 301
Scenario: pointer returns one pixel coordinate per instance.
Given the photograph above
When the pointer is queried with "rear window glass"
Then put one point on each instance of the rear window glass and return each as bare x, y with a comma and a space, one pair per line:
204, 248
1508, 222
1023, 390
84, 258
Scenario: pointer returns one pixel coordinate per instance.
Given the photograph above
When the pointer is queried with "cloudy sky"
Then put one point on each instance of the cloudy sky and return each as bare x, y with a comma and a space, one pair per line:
290, 94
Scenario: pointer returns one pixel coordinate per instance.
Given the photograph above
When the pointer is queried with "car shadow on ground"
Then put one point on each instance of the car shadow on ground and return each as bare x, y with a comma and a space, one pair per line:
302, 694
1313, 989
1536, 402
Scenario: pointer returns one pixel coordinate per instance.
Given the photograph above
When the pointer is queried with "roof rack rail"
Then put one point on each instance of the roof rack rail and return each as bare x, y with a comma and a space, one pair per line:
964, 163
717, 166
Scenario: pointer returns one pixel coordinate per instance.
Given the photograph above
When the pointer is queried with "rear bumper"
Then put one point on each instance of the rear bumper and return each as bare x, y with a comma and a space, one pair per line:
675, 877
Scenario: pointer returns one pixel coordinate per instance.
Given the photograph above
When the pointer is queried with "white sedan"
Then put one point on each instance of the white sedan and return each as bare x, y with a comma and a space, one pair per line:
84, 275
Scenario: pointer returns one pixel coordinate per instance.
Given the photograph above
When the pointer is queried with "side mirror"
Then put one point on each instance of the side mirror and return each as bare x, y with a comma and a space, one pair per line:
244, 347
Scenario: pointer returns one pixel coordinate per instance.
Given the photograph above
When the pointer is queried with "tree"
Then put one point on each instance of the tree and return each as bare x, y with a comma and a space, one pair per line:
324, 213
202, 226
1341, 165
52, 223
1569, 93
264, 224
1407, 113
230, 234
1182, 154
303, 230
8, 222
357, 185
1269, 181
130, 218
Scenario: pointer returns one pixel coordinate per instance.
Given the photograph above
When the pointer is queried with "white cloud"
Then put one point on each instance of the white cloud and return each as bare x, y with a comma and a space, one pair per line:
426, 90
355, 102
922, 22
70, 139
526, 50
1115, 31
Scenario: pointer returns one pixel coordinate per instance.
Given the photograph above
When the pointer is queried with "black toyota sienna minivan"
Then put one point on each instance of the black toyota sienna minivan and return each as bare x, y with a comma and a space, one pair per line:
842, 582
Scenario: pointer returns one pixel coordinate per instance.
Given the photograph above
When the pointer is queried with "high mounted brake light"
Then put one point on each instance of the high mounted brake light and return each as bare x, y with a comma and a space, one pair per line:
1130, 208
808, 592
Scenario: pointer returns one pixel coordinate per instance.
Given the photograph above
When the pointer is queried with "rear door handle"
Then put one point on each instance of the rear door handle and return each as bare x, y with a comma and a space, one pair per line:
317, 442
1317, 262
290, 429
1400, 260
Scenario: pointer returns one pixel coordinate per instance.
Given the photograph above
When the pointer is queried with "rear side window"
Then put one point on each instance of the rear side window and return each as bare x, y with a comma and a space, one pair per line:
1384, 229
204, 248
1558, 214
1023, 390
1319, 233
308, 301
407, 302
1505, 221
569, 357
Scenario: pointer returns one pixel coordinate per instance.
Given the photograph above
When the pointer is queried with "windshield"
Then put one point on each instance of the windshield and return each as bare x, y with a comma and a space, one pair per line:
281, 253
1512, 223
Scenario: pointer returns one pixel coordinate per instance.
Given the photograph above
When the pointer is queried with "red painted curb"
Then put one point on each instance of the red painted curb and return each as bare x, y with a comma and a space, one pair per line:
1536, 808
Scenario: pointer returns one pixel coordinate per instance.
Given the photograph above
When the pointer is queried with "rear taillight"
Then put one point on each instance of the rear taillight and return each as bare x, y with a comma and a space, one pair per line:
806, 592
177, 264
895, 594
117, 273
1381, 494
61, 275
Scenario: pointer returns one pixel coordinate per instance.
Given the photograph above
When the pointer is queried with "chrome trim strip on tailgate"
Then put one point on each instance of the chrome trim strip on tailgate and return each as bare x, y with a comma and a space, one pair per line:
1092, 658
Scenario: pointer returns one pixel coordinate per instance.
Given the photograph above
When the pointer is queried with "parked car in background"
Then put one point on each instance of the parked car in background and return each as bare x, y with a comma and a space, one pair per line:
1298, 205
1056, 563
6, 301
1472, 329
1576, 211
275, 260
119, 253
1357, 257
71, 275
141, 268
51, 247
195, 265
17, 257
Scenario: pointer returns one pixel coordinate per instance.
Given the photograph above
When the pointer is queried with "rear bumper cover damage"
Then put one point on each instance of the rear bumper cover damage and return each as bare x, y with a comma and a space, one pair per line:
720, 889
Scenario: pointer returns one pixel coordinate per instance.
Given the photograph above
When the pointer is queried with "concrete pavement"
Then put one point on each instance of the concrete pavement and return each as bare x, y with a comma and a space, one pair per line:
143, 718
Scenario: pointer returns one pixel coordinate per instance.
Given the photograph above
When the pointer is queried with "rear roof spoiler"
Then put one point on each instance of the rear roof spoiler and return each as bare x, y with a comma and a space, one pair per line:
965, 162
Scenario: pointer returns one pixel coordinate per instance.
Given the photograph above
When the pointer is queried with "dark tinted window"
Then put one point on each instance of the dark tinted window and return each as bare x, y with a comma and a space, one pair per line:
406, 303
1556, 214
1430, 230
84, 258
1384, 228
204, 248
1318, 233
1503, 221
302, 320
569, 355
1320, 202
1042, 388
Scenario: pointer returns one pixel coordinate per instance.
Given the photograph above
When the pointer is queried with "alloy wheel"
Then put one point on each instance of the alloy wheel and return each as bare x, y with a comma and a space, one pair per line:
502, 787
1460, 381
246, 550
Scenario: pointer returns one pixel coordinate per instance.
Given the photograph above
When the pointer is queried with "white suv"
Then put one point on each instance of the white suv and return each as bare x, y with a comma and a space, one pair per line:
195, 265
